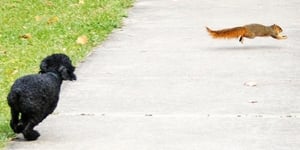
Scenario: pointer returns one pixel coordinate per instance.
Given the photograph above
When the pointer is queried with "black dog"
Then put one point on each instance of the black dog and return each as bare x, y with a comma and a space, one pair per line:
33, 97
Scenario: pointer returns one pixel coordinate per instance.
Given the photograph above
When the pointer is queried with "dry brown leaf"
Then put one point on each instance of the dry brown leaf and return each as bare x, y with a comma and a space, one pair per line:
49, 3
2, 52
52, 20
26, 36
82, 40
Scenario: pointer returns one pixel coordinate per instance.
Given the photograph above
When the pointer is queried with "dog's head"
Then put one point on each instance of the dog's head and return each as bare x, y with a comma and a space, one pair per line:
59, 64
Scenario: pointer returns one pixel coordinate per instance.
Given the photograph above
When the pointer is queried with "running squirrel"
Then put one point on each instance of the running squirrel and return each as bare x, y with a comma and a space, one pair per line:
248, 31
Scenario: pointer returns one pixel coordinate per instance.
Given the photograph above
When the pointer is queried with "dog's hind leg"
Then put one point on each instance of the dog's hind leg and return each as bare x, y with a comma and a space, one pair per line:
16, 126
28, 132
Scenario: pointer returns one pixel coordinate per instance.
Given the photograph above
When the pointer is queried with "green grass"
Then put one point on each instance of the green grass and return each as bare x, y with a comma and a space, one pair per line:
33, 29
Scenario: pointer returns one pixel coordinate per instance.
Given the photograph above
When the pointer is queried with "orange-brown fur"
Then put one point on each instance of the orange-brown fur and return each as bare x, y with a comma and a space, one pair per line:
249, 31
227, 33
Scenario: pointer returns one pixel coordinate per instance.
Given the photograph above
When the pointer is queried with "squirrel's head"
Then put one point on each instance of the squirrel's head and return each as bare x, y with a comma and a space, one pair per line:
277, 28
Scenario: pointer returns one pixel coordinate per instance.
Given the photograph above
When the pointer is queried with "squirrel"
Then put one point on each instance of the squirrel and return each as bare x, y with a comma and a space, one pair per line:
248, 31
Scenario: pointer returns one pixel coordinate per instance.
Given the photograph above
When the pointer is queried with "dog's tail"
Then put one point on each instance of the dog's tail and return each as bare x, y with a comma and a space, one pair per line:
13, 97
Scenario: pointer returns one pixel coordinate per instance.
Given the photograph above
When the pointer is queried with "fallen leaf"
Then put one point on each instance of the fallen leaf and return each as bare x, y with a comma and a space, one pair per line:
52, 20
26, 36
82, 40
3, 52
49, 3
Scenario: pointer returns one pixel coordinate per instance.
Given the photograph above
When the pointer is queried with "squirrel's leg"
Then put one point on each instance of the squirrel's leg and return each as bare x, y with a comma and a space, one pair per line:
241, 39
279, 37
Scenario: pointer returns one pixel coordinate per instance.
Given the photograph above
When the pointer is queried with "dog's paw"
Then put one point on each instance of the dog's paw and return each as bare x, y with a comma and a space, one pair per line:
31, 136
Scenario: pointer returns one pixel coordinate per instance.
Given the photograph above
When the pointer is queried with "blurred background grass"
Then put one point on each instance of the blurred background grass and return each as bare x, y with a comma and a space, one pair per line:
33, 29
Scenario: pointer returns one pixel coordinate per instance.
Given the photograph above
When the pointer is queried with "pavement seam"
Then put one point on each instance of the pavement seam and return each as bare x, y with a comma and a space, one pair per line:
179, 115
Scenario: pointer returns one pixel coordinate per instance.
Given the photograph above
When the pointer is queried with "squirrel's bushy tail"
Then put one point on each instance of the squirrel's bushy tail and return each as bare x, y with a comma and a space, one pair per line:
227, 33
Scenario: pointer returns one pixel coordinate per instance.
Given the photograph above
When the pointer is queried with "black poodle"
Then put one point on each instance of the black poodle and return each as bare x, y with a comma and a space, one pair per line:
33, 97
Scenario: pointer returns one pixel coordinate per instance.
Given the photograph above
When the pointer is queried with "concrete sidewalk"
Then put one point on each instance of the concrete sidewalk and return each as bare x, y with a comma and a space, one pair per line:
161, 83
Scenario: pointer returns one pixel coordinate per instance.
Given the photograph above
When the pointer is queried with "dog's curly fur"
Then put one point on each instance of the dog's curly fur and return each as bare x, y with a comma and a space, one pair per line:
33, 97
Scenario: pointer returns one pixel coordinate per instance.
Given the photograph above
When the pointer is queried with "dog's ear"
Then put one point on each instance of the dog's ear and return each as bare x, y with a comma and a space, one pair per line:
43, 67
66, 74
47, 66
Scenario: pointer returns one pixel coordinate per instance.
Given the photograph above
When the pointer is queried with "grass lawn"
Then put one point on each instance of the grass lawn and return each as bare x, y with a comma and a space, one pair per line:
31, 30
